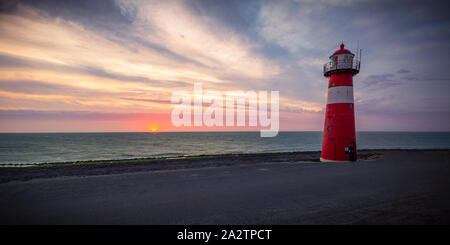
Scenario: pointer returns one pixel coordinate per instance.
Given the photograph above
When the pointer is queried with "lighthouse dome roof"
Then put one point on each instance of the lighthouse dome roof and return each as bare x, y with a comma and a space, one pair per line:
342, 50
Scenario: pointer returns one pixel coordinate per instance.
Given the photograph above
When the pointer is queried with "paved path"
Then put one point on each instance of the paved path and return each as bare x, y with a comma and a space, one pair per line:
401, 188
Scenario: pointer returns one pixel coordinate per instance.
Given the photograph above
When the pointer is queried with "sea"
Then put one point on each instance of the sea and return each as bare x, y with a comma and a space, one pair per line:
34, 148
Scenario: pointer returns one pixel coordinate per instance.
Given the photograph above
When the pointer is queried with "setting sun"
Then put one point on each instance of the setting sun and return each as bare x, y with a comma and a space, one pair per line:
153, 128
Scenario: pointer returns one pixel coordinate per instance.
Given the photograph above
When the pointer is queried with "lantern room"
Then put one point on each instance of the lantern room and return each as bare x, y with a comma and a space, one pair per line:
341, 60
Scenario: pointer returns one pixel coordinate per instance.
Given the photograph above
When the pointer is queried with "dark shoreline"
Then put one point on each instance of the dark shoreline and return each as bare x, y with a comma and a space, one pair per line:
145, 159
151, 159
107, 167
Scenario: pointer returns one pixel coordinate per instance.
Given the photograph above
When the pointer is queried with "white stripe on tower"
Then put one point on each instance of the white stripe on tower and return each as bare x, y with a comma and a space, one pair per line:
340, 94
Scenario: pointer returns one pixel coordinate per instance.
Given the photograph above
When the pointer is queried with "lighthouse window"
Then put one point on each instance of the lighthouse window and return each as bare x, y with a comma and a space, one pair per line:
351, 105
329, 128
332, 84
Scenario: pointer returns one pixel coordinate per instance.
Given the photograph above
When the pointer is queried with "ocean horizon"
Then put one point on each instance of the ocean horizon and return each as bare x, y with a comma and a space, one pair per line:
35, 148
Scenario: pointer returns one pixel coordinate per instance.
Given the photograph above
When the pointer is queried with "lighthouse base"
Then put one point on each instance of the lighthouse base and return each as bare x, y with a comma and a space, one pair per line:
326, 160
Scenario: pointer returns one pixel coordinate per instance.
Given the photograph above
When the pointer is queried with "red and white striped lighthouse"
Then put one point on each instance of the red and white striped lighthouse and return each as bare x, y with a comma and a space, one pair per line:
339, 140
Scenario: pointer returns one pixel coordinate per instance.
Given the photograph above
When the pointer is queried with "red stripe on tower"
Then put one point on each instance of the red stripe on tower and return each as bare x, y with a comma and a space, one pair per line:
339, 139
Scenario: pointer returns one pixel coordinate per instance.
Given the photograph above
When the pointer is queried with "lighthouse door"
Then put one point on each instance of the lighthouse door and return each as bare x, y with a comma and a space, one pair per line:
351, 151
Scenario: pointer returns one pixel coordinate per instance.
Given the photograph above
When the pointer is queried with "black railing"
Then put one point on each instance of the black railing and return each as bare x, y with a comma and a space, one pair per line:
352, 65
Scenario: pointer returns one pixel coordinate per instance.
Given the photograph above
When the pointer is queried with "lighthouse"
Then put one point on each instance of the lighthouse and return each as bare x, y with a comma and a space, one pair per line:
339, 139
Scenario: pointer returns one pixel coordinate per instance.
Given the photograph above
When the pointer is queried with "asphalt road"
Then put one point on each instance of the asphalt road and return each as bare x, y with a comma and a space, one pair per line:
401, 188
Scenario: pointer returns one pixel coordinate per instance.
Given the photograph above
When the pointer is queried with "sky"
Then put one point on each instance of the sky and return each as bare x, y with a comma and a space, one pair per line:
113, 65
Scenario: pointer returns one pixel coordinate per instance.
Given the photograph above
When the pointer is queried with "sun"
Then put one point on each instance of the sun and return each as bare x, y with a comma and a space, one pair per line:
153, 128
